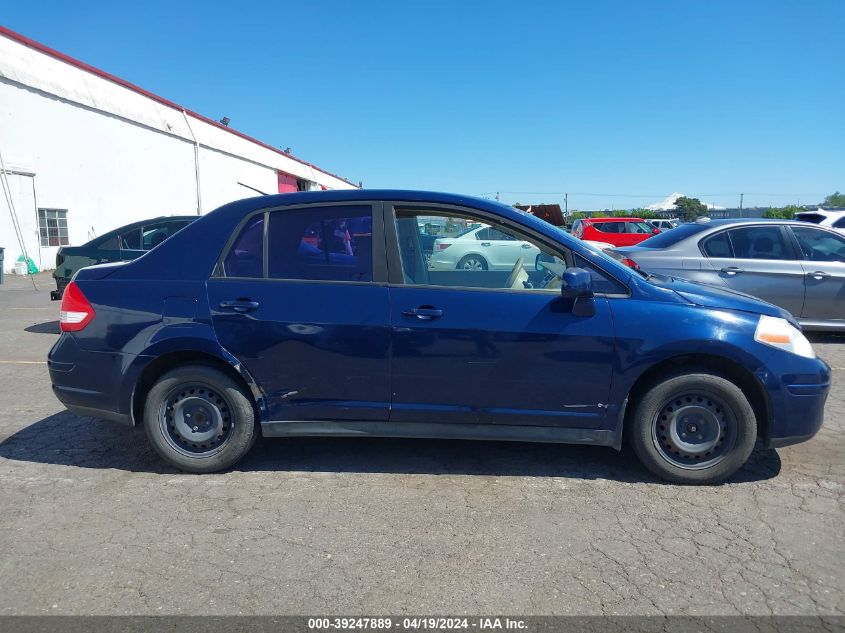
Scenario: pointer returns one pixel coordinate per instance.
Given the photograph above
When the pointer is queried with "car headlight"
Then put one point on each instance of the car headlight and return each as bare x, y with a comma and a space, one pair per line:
782, 334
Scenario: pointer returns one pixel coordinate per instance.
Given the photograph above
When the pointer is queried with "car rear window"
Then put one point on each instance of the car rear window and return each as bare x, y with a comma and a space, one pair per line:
321, 244
670, 238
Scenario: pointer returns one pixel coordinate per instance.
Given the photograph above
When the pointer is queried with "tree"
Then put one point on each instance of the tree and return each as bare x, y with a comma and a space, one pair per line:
782, 213
690, 208
834, 200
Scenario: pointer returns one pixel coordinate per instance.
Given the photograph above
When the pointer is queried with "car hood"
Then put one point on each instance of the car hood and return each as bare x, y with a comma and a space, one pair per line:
710, 296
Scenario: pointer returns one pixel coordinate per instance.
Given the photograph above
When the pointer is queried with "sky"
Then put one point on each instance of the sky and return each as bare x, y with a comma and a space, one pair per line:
618, 103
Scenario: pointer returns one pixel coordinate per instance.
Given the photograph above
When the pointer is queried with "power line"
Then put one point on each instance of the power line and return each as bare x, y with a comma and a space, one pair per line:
644, 195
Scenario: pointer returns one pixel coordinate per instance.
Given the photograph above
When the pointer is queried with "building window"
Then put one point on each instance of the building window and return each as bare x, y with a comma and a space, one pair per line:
52, 225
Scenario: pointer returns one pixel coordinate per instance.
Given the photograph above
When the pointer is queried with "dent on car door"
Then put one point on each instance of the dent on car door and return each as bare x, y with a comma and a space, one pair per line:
308, 318
823, 263
495, 346
761, 262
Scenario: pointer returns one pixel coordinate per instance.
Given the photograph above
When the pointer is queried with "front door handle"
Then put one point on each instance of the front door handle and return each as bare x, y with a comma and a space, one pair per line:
239, 305
732, 270
526, 246
485, 243
424, 313
818, 275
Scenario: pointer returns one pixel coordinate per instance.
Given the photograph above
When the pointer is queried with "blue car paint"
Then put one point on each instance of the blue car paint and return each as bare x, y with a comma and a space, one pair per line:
318, 351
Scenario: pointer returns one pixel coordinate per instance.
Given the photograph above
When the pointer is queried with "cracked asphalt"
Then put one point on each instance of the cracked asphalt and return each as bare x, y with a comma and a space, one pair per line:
92, 523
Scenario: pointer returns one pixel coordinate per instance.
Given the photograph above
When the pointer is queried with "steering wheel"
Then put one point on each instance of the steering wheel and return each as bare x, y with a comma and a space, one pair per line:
514, 279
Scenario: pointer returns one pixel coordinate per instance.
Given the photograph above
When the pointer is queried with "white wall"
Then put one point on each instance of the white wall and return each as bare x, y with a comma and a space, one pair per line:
110, 155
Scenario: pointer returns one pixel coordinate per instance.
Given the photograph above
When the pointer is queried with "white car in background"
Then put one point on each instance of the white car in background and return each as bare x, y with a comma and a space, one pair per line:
481, 248
832, 219
602, 246
665, 225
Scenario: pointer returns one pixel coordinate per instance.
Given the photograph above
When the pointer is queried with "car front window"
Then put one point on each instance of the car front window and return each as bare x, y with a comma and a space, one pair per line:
820, 246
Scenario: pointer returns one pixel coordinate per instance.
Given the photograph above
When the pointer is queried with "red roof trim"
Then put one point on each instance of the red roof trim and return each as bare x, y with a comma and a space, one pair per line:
22, 39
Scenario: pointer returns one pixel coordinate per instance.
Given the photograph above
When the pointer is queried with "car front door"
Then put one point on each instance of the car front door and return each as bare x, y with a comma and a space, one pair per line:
300, 299
759, 261
492, 346
824, 273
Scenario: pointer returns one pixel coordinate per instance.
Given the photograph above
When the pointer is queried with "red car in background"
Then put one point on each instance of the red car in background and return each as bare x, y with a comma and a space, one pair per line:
616, 231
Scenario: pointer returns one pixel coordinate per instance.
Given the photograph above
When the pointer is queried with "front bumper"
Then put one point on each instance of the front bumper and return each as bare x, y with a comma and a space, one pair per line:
797, 395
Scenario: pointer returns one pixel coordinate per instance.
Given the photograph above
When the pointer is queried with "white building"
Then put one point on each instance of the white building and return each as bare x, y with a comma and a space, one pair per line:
87, 152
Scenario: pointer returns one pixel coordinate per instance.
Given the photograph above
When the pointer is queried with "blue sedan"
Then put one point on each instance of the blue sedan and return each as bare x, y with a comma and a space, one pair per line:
318, 314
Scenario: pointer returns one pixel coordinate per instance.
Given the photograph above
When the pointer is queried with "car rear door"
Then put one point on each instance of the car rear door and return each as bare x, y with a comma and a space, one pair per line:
759, 260
300, 299
491, 346
823, 263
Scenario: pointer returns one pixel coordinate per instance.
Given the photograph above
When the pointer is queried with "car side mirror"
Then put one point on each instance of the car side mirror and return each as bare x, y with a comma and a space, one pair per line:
577, 284
655, 231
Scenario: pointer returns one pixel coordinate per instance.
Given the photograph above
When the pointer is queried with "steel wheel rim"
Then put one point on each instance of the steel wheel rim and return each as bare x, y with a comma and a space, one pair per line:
472, 264
694, 430
196, 420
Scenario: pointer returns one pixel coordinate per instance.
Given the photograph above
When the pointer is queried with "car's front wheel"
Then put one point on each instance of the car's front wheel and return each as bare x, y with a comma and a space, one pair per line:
693, 428
199, 419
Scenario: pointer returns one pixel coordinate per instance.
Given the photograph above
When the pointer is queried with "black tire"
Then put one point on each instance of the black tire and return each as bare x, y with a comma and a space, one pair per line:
225, 416
693, 428
467, 260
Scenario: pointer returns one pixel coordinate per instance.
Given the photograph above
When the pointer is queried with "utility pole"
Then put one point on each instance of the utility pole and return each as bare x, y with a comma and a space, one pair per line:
497, 196
566, 204
741, 196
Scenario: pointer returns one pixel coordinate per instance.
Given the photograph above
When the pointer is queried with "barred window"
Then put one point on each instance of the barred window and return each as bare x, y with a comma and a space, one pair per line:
52, 225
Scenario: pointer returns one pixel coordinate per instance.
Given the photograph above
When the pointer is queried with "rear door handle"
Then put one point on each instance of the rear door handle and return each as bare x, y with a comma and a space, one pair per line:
526, 246
424, 313
732, 270
485, 243
818, 274
239, 305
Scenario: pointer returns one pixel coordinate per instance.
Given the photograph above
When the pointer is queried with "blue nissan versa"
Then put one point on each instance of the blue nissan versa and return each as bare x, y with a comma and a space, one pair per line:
316, 314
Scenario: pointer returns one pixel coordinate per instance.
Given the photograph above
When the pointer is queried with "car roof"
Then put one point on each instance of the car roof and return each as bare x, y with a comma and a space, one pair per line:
625, 219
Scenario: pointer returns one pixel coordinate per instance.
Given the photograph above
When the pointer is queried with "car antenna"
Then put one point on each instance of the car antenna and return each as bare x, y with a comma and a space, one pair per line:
254, 189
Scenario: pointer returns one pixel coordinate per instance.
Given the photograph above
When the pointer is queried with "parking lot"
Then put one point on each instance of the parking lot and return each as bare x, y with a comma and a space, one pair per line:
91, 522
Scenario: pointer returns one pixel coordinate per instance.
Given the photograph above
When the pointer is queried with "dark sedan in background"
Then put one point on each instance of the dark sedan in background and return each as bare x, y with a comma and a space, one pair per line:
792, 264
121, 244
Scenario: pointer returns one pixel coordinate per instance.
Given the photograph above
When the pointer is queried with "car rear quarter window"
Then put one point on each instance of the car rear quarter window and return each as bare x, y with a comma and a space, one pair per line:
718, 245
246, 256
321, 244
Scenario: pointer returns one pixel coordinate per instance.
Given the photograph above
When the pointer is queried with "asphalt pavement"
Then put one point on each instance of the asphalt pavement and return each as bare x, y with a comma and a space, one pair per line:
91, 522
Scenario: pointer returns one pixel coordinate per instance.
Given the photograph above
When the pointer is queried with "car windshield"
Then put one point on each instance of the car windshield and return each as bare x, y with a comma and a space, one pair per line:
670, 238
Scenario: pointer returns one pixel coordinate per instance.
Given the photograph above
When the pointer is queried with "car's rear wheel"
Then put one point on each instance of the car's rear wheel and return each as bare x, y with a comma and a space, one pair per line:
199, 419
693, 428
472, 262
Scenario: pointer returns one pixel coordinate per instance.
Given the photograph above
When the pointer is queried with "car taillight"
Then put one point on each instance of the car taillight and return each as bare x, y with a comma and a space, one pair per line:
442, 247
76, 311
630, 263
